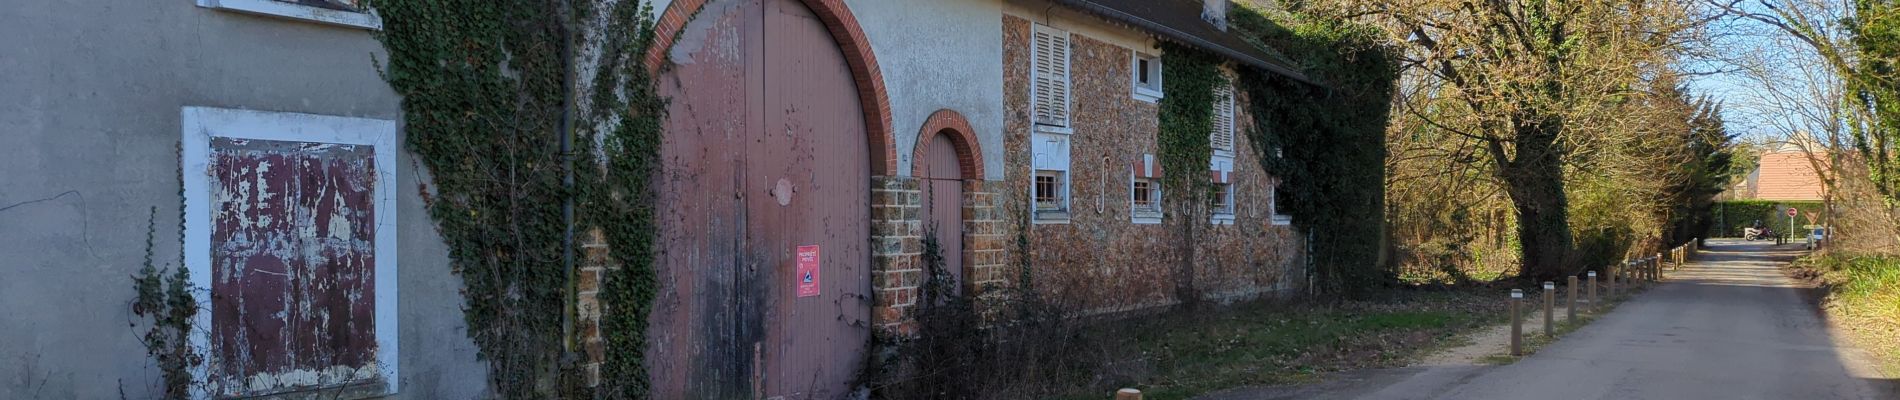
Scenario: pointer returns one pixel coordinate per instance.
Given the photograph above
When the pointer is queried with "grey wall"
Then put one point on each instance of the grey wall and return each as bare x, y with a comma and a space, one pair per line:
89, 129
939, 54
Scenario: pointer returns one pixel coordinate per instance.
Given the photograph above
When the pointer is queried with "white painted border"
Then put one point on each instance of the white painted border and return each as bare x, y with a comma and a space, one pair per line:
1143, 93
200, 124
366, 20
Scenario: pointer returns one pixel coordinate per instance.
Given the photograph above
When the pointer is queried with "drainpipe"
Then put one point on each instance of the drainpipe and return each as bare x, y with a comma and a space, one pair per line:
567, 176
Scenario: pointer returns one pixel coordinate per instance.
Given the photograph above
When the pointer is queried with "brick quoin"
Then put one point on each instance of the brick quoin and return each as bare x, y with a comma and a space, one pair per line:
857, 55
949, 122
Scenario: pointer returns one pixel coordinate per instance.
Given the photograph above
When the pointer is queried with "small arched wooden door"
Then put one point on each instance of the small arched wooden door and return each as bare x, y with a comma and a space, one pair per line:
942, 185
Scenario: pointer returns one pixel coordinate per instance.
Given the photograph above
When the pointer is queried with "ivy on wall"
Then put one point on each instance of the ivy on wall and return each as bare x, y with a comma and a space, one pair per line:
1186, 119
622, 130
486, 88
1328, 139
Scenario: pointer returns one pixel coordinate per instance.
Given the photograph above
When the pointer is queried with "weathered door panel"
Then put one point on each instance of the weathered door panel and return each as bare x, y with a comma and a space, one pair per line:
943, 202
293, 242
812, 160
707, 321
764, 152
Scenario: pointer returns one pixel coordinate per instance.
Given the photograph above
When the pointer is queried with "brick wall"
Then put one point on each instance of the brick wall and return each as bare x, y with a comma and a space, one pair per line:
1100, 260
587, 307
897, 220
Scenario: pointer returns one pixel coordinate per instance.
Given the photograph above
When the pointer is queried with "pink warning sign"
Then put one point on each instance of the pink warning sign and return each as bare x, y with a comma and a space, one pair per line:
807, 271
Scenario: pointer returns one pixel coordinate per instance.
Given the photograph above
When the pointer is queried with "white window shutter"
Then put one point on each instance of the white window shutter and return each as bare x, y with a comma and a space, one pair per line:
1222, 138
1051, 77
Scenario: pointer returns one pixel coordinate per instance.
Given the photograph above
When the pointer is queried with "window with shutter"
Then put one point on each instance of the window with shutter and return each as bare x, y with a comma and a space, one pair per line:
1049, 90
1222, 139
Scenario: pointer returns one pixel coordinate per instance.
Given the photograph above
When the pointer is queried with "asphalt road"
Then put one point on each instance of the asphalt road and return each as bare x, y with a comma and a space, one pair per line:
1730, 325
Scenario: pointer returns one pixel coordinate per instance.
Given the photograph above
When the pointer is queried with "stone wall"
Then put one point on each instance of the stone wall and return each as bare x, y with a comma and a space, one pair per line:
1100, 260
897, 220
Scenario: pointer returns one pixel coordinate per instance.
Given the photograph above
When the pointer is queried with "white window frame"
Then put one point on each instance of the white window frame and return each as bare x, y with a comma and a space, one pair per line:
366, 19
1068, 80
1145, 216
1224, 120
1061, 214
1050, 144
1223, 215
1224, 165
200, 124
1152, 92
1276, 216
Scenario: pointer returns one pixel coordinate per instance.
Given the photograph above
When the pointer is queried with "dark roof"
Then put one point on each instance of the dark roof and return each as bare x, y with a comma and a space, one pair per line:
1180, 21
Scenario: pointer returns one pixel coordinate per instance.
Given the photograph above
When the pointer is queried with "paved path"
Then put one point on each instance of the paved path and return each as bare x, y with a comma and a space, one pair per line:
1731, 325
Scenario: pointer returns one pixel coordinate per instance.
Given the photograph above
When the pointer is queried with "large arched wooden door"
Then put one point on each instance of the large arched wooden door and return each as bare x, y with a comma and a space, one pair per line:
812, 144
943, 201
765, 158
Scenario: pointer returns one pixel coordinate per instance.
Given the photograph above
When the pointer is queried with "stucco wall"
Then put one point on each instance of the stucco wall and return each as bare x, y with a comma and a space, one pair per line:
938, 54
91, 125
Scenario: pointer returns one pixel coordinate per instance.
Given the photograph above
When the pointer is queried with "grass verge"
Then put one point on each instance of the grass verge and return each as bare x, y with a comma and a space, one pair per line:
1863, 298
1179, 356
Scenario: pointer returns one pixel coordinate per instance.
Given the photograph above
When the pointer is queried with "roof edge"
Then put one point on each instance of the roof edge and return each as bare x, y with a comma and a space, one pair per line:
1177, 35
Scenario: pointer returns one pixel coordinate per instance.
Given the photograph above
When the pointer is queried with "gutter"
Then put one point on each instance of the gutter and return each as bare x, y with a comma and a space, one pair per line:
1184, 37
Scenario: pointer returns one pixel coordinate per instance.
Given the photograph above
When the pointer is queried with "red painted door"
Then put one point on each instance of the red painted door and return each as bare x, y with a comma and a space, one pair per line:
765, 153
943, 203
812, 157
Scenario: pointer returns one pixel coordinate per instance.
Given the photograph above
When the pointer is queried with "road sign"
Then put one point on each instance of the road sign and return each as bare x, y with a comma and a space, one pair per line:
1792, 211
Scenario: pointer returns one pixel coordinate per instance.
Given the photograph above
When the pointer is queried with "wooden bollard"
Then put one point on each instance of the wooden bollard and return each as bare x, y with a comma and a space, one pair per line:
1128, 394
1517, 323
1615, 271
1550, 300
1594, 304
1659, 263
1571, 310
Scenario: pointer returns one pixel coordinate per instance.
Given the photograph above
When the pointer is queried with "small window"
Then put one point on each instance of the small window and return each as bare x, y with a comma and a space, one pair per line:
1051, 194
1147, 77
1282, 204
351, 13
1220, 200
1145, 200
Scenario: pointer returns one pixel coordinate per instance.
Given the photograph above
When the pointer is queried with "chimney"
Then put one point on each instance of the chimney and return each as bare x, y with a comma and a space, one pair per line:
1215, 12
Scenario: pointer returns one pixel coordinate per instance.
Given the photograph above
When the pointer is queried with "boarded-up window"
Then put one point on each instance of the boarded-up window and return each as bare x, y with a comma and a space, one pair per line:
289, 224
293, 261
1050, 86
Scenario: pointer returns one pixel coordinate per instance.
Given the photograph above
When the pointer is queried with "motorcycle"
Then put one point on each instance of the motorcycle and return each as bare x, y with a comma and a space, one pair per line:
1753, 234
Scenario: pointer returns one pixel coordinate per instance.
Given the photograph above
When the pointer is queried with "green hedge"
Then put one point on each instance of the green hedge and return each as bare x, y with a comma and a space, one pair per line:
1729, 217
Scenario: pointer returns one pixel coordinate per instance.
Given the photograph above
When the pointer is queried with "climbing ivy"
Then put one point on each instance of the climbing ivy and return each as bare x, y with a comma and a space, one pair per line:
1186, 119
1324, 141
164, 296
622, 129
487, 92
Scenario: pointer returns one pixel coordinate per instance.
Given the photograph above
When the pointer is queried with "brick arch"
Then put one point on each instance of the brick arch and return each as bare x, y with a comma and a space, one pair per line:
857, 55
949, 122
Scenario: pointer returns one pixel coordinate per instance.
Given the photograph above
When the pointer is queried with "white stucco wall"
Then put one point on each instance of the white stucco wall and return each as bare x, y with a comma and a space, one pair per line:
90, 129
939, 54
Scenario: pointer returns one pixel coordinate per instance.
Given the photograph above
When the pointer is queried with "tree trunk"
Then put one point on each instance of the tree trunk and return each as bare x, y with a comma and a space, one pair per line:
1535, 181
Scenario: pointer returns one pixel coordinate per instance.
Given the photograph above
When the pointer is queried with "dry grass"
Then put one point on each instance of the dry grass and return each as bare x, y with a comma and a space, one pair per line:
1178, 356
1863, 299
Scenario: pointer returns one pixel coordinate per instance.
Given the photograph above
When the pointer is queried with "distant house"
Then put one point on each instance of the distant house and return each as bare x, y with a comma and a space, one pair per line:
1786, 172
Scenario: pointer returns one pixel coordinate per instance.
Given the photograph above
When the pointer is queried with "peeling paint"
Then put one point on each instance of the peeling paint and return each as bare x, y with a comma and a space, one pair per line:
293, 244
